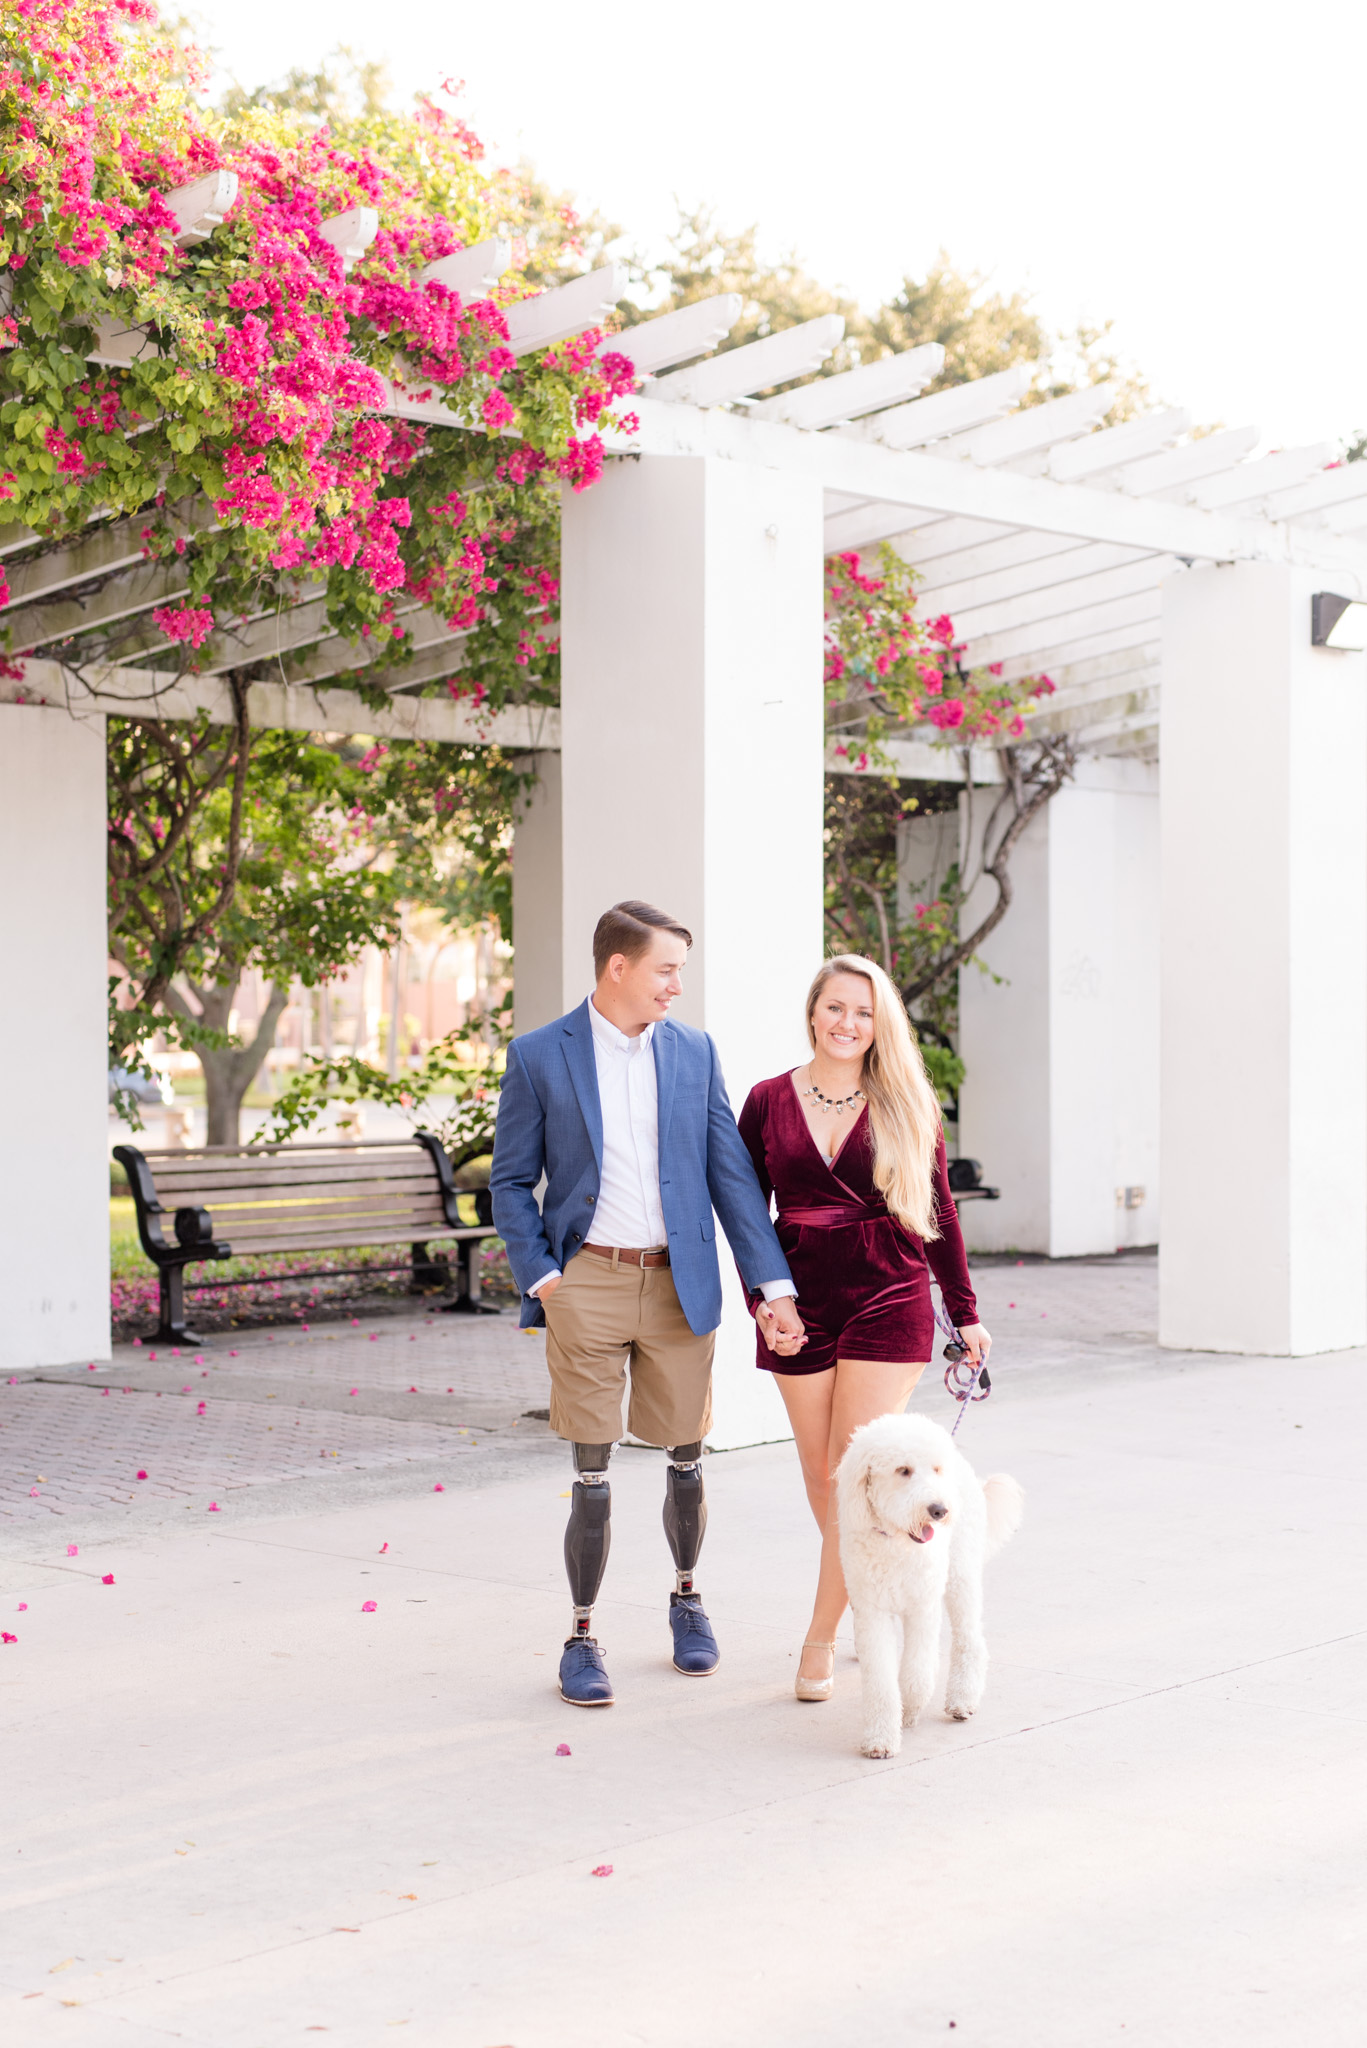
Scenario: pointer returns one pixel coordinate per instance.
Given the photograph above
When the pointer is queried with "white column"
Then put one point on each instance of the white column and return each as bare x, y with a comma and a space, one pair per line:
691, 760
1060, 1035
54, 1193
538, 908
1264, 1245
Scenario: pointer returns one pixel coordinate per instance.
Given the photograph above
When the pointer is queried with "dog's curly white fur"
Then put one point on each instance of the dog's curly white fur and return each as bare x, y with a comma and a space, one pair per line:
916, 1528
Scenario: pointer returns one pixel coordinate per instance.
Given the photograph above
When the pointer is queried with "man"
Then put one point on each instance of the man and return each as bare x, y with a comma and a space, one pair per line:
625, 1114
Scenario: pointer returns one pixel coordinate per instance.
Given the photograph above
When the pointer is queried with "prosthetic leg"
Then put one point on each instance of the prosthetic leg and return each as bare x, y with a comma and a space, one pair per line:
584, 1681
588, 1537
685, 1519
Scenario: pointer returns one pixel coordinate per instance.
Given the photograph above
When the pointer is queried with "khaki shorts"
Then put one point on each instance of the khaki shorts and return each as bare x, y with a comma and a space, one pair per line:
596, 1320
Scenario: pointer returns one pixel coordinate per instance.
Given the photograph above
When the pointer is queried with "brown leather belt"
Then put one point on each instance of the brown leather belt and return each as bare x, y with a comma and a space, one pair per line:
627, 1258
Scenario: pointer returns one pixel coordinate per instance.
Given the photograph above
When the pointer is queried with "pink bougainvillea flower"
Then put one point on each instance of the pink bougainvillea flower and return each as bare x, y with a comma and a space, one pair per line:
232, 1354
136, 1342
185, 1390
151, 1354
142, 1475
33, 1493
6, 1637
214, 1508
602, 1870
368, 1606
23, 1606
73, 1550
201, 1407
374, 1337
562, 1749
108, 1579
439, 1488
383, 1548
353, 1390
412, 1390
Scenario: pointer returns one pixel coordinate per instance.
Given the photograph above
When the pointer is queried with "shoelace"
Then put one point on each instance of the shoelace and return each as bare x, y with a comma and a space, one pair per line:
696, 1621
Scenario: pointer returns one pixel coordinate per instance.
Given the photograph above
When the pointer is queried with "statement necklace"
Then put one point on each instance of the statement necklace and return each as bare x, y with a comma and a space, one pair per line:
830, 1102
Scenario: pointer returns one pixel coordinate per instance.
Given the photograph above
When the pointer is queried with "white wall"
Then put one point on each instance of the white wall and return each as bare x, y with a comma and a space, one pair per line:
54, 1191
1060, 1035
538, 915
1264, 907
691, 761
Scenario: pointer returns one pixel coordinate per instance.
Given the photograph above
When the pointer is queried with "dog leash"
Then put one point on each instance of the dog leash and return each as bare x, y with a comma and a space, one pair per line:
977, 1386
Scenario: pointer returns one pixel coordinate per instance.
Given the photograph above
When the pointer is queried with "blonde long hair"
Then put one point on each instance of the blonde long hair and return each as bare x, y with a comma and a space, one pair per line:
904, 1110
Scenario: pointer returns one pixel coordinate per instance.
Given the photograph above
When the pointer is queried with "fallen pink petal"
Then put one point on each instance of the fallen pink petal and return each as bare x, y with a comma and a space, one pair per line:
23, 1606
383, 1548
6, 1637
142, 1475
562, 1749
353, 1390
33, 1493
602, 1870
73, 1550
214, 1508
368, 1606
439, 1488
108, 1579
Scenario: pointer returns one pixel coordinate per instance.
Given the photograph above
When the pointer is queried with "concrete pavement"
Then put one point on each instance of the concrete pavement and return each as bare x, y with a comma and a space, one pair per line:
241, 1810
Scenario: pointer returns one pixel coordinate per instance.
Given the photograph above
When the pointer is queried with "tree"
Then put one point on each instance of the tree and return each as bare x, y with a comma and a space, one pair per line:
250, 435
887, 670
291, 869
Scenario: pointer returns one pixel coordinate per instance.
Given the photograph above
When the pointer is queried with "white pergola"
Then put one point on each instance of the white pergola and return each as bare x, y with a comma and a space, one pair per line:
1164, 582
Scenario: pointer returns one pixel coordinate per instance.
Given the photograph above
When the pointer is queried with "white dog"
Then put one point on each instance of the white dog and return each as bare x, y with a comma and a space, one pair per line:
916, 1528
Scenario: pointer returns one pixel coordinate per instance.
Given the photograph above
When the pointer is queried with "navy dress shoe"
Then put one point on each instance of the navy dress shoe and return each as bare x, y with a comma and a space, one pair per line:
695, 1647
584, 1681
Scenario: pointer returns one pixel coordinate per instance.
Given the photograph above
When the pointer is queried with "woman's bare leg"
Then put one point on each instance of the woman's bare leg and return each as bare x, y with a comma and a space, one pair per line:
862, 1391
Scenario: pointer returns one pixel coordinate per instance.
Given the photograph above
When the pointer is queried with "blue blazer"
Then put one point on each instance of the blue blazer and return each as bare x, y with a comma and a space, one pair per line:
550, 1122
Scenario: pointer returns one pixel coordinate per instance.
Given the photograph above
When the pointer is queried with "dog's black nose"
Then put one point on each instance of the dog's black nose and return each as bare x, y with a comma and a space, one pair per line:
937, 1511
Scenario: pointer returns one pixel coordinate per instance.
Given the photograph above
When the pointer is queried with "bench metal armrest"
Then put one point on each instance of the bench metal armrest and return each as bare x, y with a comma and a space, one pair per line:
150, 1215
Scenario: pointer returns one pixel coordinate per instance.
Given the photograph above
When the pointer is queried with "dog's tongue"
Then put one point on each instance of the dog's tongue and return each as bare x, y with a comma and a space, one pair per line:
924, 1535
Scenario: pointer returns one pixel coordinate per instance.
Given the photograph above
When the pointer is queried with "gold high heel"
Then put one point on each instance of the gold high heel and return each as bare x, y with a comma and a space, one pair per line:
816, 1688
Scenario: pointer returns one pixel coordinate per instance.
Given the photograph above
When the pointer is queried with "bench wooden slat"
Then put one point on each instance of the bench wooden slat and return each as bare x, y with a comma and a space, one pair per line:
347, 1229
199, 1195
311, 1176
247, 1243
286, 1149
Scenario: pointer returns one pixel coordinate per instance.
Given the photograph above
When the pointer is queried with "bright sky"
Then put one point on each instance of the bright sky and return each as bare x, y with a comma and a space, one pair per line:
1191, 169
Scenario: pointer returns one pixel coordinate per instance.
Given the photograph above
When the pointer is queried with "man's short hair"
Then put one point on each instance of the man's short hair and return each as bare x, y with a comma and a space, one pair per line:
628, 928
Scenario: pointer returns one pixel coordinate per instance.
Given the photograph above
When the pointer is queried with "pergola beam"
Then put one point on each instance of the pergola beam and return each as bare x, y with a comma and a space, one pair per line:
777, 359
947, 412
655, 345
567, 309
929, 484
856, 392
1063, 566
133, 693
124, 596
984, 624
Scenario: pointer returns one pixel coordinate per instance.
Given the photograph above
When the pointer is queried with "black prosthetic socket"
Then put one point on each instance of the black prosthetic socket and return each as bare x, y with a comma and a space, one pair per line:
685, 1511
588, 1536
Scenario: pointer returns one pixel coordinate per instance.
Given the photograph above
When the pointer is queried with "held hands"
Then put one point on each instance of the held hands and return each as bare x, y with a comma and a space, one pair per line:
780, 1325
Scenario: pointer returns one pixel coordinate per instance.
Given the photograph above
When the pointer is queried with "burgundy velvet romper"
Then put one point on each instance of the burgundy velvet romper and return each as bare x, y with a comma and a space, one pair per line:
863, 1281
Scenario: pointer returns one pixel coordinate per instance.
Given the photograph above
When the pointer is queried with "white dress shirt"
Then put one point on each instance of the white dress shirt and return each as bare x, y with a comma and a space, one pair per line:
629, 1212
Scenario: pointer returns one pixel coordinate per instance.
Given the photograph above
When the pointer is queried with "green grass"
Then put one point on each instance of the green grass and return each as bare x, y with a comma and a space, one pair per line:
126, 1259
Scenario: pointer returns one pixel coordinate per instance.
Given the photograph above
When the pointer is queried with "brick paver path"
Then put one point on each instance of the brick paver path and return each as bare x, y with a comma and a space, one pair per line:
205, 1423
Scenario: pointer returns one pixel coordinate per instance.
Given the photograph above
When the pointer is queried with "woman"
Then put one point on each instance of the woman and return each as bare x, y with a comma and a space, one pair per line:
851, 1145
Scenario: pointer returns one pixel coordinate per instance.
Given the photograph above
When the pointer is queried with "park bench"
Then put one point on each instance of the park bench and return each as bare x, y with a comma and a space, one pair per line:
231, 1201
966, 1183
